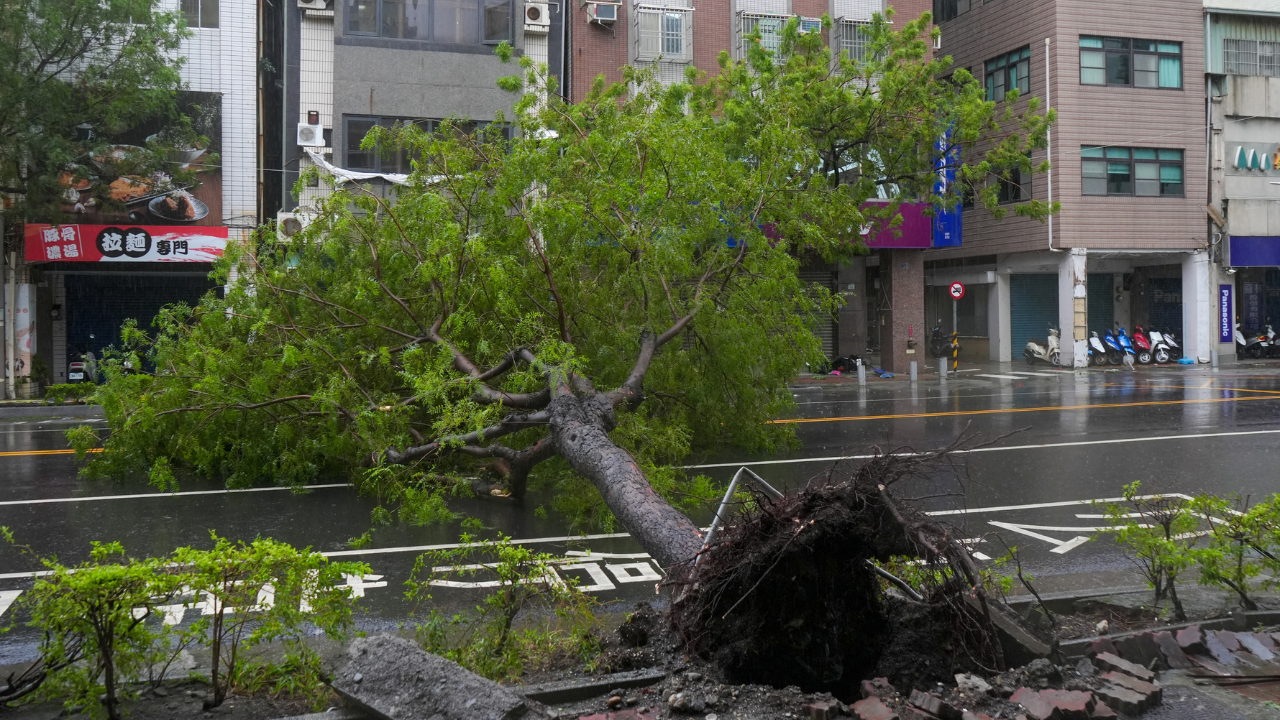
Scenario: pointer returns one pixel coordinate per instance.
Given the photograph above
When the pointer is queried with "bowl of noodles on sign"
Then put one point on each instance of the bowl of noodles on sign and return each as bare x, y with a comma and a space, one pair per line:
179, 206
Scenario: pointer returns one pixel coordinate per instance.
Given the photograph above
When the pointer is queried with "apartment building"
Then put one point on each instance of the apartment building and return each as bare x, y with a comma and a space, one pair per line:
1130, 245
352, 65
1242, 60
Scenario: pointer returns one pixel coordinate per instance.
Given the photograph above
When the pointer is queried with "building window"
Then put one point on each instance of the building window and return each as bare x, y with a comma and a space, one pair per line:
1251, 57
1144, 172
1015, 188
770, 27
457, 22
1131, 63
200, 13
1009, 72
398, 161
664, 32
854, 40
945, 10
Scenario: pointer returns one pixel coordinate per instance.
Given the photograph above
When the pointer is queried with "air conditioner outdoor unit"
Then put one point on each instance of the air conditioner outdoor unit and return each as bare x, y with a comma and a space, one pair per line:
289, 224
537, 17
603, 13
810, 25
314, 4
310, 135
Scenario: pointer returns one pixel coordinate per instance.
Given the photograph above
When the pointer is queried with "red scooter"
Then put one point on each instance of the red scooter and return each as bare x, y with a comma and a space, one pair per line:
1142, 346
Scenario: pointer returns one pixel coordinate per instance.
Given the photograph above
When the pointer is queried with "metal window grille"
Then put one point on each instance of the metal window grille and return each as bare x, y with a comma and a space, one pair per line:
1269, 59
665, 32
1240, 57
854, 40
770, 30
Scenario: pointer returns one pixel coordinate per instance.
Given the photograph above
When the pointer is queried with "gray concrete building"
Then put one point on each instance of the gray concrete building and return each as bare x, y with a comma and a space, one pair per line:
1130, 245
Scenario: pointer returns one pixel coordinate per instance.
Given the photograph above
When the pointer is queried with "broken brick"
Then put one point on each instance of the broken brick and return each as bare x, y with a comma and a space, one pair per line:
1102, 645
1267, 641
914, 713
871, 708
820, 710
1253, 645
1229, 640
1173, 654
934, 705
1191, 640
1102, 711
1071, 704
1107, 661
974, 716
1218, 649
1036, 705
1140, 651
877, 687
1152, 693
1121, 699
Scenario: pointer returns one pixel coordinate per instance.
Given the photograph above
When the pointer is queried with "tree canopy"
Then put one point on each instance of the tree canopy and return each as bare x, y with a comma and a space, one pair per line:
581, 305
74, 74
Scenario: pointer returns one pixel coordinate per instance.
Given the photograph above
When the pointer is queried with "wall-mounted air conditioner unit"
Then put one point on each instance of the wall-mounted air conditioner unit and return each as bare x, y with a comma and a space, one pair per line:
537, 17
603, 13
310, 135
289, 224
810, 25
315, 4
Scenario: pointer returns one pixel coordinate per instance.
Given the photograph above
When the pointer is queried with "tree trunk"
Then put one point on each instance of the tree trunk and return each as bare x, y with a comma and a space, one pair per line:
580, 427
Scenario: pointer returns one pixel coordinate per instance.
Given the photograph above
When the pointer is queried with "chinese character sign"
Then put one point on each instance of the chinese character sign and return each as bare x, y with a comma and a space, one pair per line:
123, 243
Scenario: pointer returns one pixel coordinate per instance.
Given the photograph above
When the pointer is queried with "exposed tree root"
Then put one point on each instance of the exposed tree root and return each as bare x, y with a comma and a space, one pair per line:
785, 595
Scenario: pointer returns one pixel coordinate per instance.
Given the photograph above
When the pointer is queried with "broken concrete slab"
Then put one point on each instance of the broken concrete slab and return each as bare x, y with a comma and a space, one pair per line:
821, 710
1102, 645
1139, 651
1218, 649
1252, 644
569, 691
1107, 661
1191, 640
1121, 699
871, 708
1173, 654
637, 714
1071, 704
392, 678
968, 683
1267, 641
934, 705
1228, 639
1102, 711
1152, 693
974, 716
878, 687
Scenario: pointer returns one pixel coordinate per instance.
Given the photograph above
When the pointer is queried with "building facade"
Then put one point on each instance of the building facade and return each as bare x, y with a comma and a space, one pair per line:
1242, 61
1130, 245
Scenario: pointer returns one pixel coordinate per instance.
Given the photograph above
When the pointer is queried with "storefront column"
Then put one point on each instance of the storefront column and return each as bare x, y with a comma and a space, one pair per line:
1199, 316
903, 336
1000, 319
851, 285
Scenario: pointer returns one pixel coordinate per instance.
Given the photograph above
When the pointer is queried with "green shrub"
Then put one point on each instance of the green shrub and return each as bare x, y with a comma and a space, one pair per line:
58, 394
531, 618
1159, 534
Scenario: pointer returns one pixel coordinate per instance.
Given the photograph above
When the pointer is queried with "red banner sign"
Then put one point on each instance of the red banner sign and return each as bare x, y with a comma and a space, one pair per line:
124, 243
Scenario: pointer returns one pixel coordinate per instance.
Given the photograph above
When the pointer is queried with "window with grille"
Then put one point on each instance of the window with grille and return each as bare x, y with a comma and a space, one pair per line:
854, 40
770, 27
1251, 57
664, 32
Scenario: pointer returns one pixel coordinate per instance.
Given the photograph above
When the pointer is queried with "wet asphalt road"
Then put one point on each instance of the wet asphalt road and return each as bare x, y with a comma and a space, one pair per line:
1061, 439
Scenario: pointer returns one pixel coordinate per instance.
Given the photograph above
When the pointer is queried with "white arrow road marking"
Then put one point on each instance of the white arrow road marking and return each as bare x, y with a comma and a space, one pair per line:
1059, 546
599, 581
6, 599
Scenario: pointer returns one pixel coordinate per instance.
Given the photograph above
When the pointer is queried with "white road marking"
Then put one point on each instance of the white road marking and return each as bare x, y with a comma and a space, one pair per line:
1005, 448
453, 546
1002, 377
95, 498
1037, 506
1037, 374
7, 597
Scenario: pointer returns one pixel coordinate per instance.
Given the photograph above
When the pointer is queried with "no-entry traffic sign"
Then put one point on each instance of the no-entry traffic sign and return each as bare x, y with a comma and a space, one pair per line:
956, 290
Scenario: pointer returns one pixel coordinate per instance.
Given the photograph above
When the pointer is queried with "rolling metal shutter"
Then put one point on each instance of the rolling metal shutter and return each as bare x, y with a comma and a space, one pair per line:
823, 327
1033, 308
1165, 303
1102, 302
98, 304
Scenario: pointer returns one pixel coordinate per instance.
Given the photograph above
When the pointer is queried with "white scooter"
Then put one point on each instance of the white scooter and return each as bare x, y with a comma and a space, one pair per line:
1048, 352
1097, 351
1160, 350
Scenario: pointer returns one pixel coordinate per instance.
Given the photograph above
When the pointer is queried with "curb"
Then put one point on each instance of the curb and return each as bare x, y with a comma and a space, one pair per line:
330, 714
45, 410
574, 690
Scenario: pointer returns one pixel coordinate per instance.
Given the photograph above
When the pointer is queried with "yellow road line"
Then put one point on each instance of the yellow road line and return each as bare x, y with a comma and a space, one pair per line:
20, 453
1207, 384
998, 411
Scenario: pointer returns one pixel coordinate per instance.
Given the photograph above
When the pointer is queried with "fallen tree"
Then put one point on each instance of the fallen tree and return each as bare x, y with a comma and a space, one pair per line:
581, 306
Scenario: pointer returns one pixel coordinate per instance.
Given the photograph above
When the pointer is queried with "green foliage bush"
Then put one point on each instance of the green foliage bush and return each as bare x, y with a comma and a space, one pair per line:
58, 394
112, 623
532, 617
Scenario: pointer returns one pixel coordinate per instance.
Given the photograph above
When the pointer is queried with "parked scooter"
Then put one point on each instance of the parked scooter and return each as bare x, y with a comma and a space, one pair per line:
1141, 346
1160, 350
1097, 351
1252, 346
83, 369
1048, 352
1115, 352
1125, 343
939, 343
1175, 350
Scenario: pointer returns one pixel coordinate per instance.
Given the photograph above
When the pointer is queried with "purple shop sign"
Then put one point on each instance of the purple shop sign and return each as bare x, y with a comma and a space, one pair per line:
915, 231
1225, 332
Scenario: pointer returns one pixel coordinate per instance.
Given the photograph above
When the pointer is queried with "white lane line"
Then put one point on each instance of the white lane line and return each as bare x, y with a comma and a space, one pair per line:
1037, 374
1038, 506
1004, 448
1002, 377
95, 498
452, 546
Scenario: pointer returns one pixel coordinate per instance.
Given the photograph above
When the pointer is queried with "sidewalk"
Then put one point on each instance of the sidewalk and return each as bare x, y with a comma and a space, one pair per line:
1020, 367
13, 409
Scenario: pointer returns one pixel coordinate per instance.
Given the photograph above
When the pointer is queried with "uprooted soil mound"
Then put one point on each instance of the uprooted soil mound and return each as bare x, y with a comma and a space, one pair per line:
786, 596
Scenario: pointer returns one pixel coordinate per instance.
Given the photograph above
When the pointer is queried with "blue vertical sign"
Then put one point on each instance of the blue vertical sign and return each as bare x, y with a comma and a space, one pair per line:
1225, 331
947, 222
